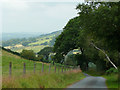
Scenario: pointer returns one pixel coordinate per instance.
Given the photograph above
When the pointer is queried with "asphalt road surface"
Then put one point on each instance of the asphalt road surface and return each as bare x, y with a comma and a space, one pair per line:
90, 83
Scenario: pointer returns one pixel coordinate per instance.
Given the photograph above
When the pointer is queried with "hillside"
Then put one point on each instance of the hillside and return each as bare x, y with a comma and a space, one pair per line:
38, 79
31, 43
17, 64
14, 35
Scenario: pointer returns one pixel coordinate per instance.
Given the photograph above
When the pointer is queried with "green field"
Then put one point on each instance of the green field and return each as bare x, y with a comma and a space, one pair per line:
41, 42
34, 48
34, 80
17, 64
31, 46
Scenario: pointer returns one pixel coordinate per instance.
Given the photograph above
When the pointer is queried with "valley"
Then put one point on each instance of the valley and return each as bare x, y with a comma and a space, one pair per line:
32, 43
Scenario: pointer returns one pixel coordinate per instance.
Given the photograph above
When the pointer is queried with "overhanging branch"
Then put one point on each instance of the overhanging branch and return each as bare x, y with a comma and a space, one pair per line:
105, 55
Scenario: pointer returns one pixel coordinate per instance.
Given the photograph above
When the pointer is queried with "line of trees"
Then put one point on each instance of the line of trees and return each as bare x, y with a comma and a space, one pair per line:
42, 55
95, 32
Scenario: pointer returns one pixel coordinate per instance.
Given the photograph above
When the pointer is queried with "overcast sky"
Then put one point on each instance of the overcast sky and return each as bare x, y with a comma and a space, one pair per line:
36, 15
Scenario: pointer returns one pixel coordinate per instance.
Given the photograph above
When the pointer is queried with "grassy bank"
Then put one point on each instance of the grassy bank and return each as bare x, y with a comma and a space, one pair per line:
17, 65
111, 80
45, 80
34, 80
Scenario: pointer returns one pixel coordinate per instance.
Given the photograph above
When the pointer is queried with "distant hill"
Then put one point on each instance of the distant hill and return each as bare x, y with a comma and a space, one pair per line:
32, 43
8, 36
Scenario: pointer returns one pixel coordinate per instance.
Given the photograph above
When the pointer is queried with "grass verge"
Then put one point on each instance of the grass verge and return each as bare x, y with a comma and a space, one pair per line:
111, 80
45, 80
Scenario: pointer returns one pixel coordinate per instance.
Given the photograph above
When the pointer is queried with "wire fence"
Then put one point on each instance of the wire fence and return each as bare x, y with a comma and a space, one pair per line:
49, 68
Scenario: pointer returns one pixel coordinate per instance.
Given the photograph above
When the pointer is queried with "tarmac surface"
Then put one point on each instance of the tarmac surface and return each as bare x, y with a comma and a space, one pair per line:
90, 83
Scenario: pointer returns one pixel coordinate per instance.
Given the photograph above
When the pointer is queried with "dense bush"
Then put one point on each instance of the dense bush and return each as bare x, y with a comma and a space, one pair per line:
28, 54
45, 52
39, 58
111, 70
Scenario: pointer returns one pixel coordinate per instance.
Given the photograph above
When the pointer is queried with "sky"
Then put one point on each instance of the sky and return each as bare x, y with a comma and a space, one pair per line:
37, 15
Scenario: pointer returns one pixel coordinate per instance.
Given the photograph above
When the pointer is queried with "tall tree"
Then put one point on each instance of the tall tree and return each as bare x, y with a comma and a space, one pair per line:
96, 24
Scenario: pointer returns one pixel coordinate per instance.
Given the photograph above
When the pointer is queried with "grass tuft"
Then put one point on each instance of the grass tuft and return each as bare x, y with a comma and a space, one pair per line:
51, 80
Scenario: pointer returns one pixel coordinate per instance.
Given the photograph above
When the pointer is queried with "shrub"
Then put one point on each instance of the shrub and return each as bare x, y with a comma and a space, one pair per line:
111, 70
28, 54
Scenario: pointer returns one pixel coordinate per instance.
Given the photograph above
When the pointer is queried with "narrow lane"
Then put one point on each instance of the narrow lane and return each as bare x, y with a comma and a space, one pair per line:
91, 83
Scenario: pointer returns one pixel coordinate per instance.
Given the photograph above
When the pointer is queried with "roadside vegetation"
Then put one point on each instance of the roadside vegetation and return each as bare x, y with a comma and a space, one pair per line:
17, 64
45, 80
112, 80
34, 80
94, 32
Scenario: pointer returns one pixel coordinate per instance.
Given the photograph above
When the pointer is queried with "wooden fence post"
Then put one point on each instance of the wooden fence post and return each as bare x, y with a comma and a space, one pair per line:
24, 68
10, 69
58, 69
49, 67
42, 67
66, 68
62, 68
69, 68
73, 68
34, 67
55, 69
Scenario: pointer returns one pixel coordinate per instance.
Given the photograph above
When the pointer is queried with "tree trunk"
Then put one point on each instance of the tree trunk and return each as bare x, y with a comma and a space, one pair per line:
105, 55
119, 72
86, 66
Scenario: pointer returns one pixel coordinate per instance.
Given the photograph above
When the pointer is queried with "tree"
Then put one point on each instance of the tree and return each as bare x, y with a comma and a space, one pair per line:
39, 57
66, 41
102, 23
28, 54
45, 52
96, 24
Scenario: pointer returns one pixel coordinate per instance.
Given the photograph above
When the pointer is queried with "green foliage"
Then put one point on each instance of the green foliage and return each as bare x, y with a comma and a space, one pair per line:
66, 41
112, 71
70, 60
45, 52
28, 54
17, 65
112, 81
58, 58
98, 23
37, 80
40, 58
8, 50
101, 22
